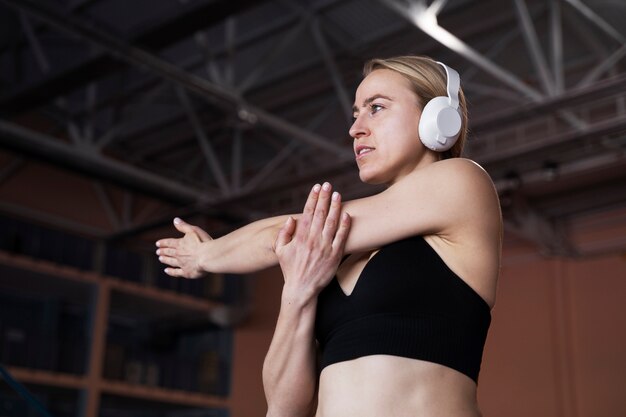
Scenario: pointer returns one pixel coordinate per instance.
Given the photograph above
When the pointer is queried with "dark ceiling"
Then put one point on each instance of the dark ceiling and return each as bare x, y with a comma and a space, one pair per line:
230, 110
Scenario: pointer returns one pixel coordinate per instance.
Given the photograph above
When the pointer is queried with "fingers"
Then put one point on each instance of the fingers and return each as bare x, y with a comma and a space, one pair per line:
286, 233
341, 236
186, 228
168, 260
309, 210
174, 272
182, 226
166, 251
332, 220
321, 209
167, 243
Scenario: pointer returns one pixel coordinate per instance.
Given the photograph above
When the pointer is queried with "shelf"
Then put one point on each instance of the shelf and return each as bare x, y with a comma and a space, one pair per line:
170, 297
122, 389
158, 394
115, 297
187, 302
38, 377
46, 267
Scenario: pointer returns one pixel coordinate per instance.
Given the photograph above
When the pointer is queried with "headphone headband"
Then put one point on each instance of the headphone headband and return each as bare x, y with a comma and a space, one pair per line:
453, 85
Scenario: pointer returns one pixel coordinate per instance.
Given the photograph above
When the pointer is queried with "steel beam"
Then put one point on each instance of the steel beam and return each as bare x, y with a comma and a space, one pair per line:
267, 59
556, 42
603, 67
270, 167
218, 95
119, 127
501, 43
340, 88
427, 22
532, 43
570, 98
49, 149
488, 90
211, 68
436, 6
597, 20
512, 151
204, 142
155, 37
230, 28
40, 56
286, 151
314, 24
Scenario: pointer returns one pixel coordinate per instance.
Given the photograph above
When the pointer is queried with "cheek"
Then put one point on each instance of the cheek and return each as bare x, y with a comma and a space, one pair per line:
407, 129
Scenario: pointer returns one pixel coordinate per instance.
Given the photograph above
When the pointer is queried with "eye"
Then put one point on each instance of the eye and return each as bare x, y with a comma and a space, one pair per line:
375, 108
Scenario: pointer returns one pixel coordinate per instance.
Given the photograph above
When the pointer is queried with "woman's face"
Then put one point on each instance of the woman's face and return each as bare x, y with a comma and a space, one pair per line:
386, 142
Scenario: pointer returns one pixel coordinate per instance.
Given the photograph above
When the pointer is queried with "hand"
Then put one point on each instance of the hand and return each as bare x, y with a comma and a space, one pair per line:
183, 254
309, 259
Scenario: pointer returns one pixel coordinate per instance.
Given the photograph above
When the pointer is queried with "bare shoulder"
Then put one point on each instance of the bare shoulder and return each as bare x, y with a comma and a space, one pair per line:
466, 180
462, 172
465, 191
455, 180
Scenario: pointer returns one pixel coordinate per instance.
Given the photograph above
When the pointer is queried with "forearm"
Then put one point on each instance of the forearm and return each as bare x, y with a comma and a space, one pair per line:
247, 249
289, 370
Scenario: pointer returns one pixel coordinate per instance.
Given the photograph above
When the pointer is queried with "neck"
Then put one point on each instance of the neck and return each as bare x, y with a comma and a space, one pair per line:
427, 159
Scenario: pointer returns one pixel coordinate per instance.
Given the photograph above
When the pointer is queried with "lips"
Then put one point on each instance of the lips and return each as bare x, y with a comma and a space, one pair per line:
362, 150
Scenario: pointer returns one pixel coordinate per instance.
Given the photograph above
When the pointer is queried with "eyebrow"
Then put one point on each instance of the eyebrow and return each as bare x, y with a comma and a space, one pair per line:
368, 100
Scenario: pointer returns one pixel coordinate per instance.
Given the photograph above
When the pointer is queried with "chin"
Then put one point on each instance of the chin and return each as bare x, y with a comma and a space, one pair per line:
370, 178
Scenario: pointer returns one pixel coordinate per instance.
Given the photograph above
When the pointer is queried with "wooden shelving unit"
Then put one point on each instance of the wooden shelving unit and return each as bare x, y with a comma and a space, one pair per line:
56, 379
72, 274
123, 389
92, 384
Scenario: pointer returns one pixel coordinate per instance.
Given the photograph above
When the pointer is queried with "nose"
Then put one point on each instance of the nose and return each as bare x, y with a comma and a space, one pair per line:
359, 128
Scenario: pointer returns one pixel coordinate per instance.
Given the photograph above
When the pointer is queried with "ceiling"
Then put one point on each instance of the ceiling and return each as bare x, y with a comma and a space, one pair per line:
115, 116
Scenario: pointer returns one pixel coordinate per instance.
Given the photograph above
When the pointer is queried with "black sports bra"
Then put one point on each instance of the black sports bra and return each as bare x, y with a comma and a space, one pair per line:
408, 303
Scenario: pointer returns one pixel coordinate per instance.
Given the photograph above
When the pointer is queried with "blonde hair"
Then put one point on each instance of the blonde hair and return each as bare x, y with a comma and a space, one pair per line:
428, 80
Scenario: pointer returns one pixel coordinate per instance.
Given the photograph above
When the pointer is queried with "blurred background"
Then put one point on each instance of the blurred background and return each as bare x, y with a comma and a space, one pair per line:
116, 116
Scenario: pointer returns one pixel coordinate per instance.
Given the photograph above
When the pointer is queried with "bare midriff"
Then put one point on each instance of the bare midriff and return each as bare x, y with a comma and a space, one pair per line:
391, 386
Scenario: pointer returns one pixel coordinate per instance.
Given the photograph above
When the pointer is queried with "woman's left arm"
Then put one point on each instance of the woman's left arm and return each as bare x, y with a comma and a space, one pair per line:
438, 199
441, 199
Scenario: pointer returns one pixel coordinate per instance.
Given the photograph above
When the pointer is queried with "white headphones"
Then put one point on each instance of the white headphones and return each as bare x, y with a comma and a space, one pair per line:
440, 123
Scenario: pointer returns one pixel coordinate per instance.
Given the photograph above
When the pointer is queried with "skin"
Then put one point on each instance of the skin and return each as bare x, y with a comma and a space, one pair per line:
308, 257
452, 203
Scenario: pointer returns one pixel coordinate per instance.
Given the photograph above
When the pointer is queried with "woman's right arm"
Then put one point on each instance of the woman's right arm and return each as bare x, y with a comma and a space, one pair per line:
290, 369
308, 259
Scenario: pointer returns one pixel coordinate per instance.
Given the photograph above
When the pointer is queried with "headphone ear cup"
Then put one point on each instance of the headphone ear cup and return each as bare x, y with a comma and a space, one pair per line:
440, 124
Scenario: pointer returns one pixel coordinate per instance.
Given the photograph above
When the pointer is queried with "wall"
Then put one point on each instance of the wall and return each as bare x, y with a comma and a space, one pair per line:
556, 347
251, 341
558, 340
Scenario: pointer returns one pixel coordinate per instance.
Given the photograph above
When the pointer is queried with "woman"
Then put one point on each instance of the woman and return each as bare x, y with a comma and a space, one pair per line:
402, 326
